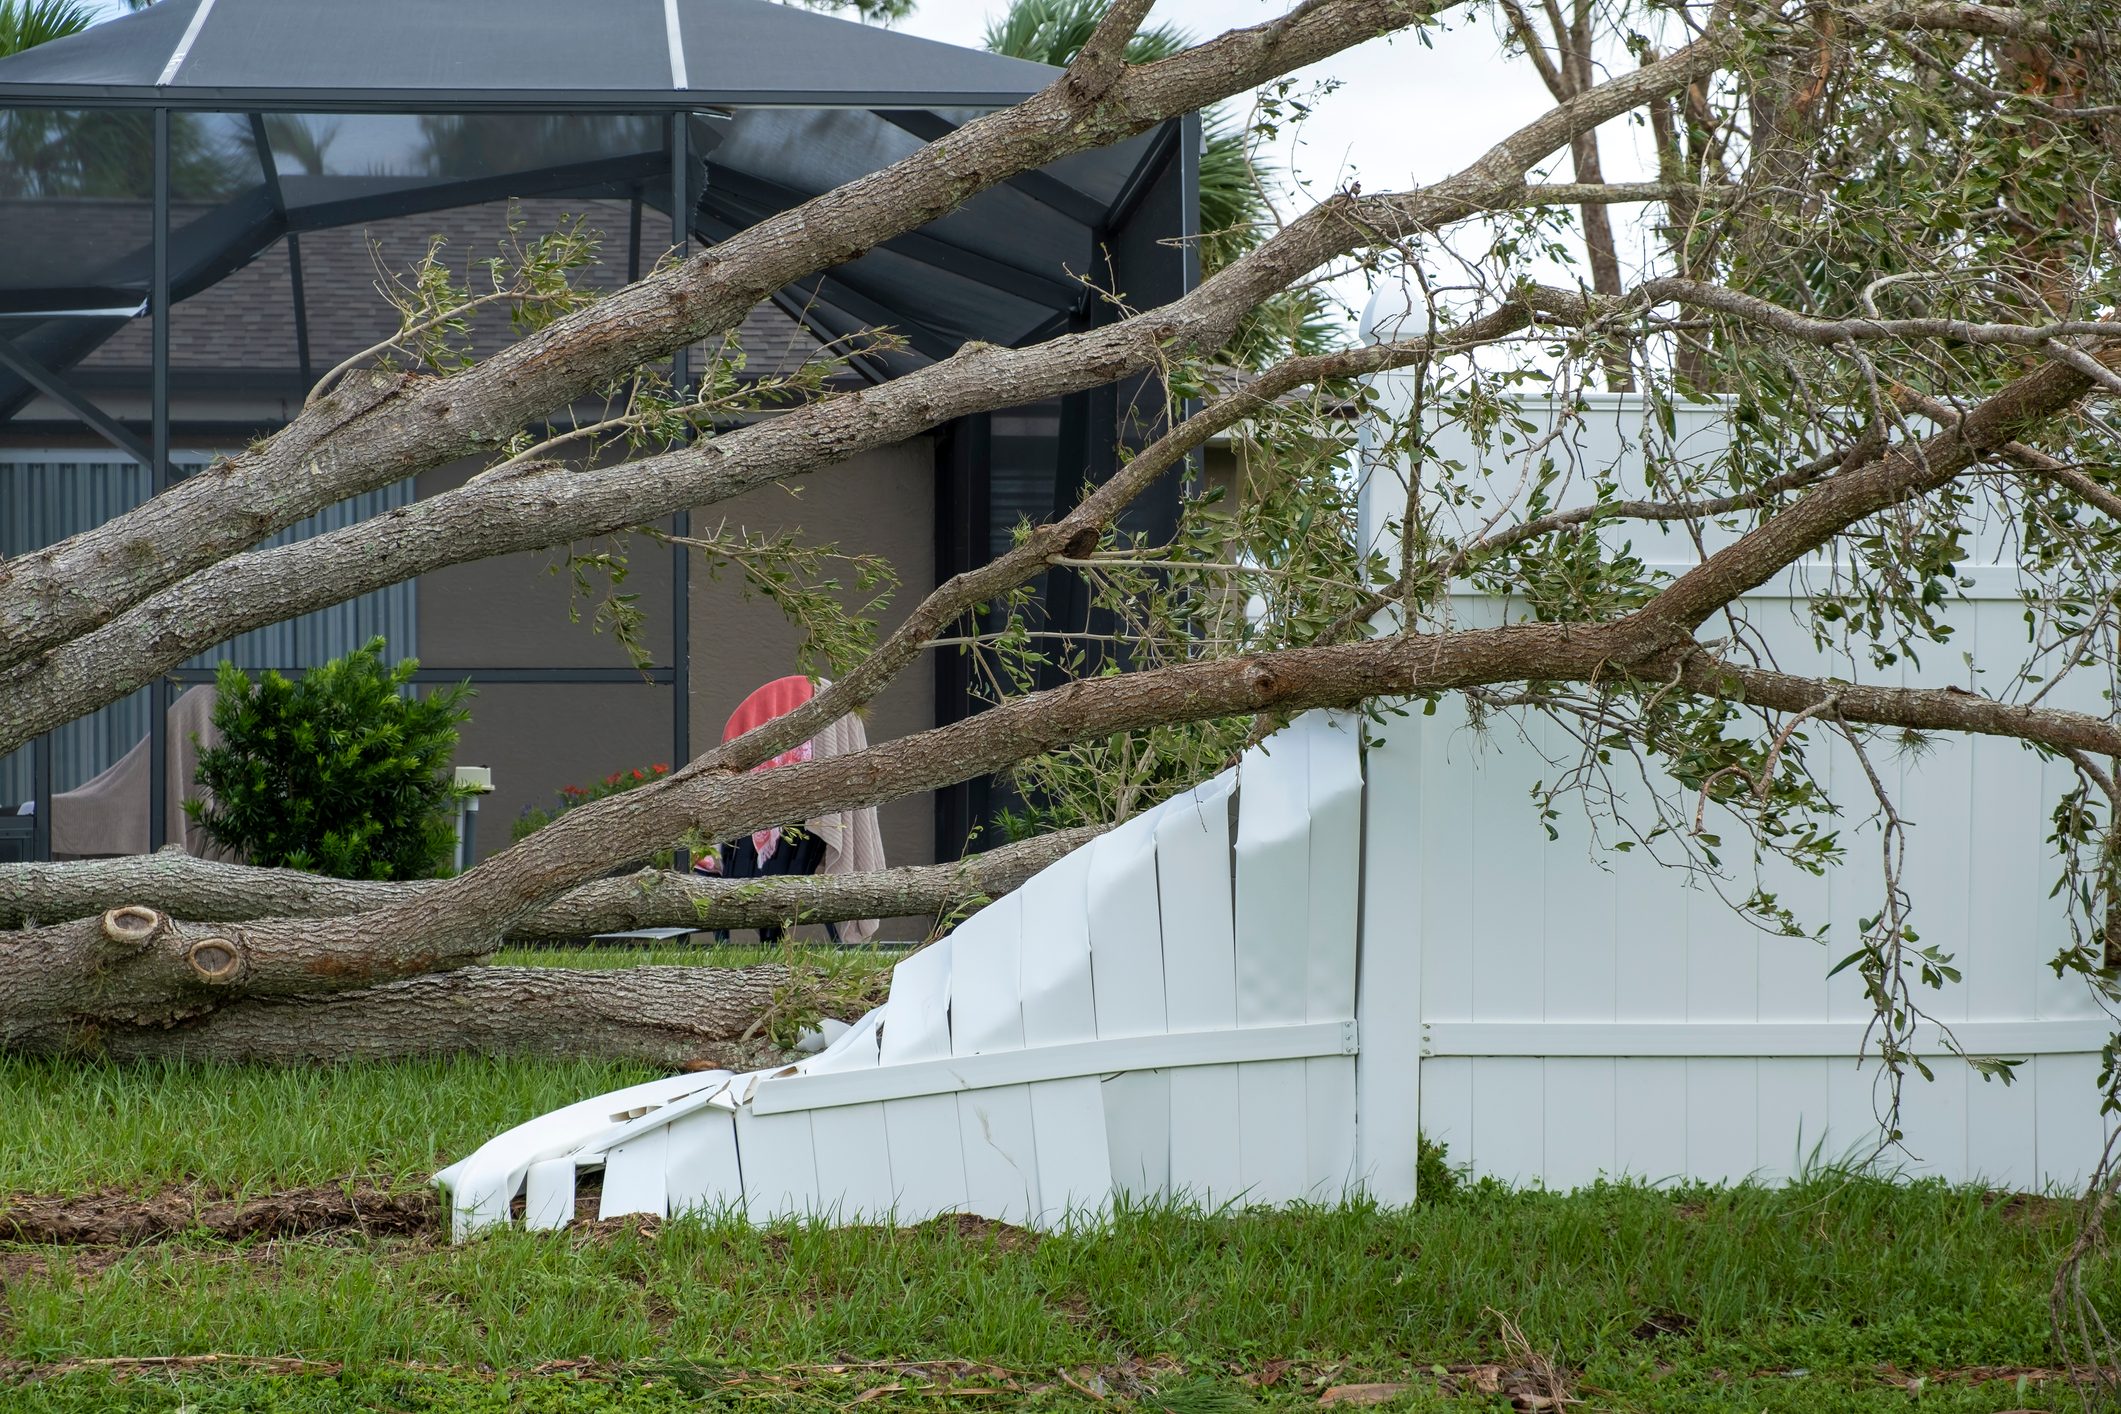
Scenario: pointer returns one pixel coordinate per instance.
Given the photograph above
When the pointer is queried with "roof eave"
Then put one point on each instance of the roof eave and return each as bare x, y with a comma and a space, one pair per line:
192, 98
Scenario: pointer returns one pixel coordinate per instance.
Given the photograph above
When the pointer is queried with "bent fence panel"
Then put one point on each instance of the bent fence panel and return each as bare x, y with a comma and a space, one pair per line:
1262, 990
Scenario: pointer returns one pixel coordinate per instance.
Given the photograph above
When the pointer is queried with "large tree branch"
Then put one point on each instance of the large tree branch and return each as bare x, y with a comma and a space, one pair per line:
1909, 470
551, 507
1915, 708
668, 1016
208, 891
1989, 21
376, 429
147, 969
1783, 320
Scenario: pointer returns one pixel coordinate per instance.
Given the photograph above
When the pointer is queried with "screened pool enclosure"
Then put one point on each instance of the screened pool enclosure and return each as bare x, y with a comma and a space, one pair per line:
204, 145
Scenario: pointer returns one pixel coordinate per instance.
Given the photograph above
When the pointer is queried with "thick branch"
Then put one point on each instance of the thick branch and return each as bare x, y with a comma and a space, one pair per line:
378, 429
1783, 320
1990, 21
548, 508
207, 891
670, 1016
55, 981
1918, 709
1907, 471
65, 975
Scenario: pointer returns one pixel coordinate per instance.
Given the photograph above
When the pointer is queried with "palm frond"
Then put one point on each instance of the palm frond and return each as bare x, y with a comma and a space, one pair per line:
1055, 31
25, 24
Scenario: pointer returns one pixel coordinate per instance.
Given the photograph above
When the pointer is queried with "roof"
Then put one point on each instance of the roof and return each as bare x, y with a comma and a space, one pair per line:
328, 119
654, 55
244, 325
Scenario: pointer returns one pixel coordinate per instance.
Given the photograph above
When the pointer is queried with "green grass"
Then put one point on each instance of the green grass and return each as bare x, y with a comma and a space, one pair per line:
1703, 1300
70, 1127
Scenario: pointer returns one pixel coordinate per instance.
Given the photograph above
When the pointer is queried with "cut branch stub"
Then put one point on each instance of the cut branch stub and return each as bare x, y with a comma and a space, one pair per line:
132, 925
218, 960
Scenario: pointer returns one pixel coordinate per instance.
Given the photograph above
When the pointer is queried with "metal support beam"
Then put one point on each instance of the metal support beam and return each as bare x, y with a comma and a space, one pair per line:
158, 481
633, 238
680, 521
612, 177
55, 387
1147, 173
741, 195
298, 300
41, 791
301, 310
1046, 190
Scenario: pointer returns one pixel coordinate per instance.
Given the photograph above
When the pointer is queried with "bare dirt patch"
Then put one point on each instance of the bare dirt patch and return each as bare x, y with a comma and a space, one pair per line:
117, 1219
969, 1227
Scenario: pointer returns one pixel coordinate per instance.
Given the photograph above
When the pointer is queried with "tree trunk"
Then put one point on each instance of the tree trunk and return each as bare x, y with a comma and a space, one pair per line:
210, 892
667, 1016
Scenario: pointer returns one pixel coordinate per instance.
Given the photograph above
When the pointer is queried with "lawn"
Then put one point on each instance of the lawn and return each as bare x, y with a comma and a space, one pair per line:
1838, 1293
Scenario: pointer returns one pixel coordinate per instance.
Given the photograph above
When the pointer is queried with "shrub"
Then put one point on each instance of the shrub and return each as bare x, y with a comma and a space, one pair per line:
1435, 1180
339, 773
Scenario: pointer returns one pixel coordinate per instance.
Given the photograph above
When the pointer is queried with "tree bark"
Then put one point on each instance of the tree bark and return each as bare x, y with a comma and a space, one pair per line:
374, 429
666, 1016
542, 508
210, 892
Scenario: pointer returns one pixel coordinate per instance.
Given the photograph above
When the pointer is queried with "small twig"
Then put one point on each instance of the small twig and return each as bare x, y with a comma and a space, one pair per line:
1826, 704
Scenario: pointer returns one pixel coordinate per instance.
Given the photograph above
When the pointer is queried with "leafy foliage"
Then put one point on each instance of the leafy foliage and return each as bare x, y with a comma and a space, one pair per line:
1268, 563
341, 772
25, 24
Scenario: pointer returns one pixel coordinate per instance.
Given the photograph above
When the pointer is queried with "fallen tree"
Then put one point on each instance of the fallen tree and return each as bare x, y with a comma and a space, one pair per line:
1875, 434
676, 1016
208, 891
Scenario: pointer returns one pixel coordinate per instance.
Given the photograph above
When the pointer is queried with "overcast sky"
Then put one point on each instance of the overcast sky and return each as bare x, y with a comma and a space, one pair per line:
1402, 114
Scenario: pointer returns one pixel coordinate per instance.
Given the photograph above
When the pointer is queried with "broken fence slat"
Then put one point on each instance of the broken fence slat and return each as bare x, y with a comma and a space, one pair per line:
782, 1094
704, 1172
637, 1176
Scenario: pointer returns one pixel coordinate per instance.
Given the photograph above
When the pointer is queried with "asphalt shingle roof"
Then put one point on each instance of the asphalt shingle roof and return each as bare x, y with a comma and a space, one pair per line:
246, 322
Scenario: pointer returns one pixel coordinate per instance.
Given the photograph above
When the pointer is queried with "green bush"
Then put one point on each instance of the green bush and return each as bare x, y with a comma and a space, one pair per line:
339, 773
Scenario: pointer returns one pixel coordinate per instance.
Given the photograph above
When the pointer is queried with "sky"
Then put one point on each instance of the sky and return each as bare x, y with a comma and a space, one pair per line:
1400, 113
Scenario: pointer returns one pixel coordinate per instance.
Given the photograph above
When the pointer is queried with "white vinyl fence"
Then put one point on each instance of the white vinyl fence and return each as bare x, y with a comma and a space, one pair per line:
1585, 1012
1260, 990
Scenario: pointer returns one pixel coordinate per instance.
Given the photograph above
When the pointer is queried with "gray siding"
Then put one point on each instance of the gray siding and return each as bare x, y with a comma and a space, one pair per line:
46, 496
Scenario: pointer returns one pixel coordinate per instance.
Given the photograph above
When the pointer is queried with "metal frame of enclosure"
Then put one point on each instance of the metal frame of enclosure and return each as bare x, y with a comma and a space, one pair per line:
718, 112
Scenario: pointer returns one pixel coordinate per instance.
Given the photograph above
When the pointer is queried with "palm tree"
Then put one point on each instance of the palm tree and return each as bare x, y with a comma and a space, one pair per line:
25, 24
1233, 205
